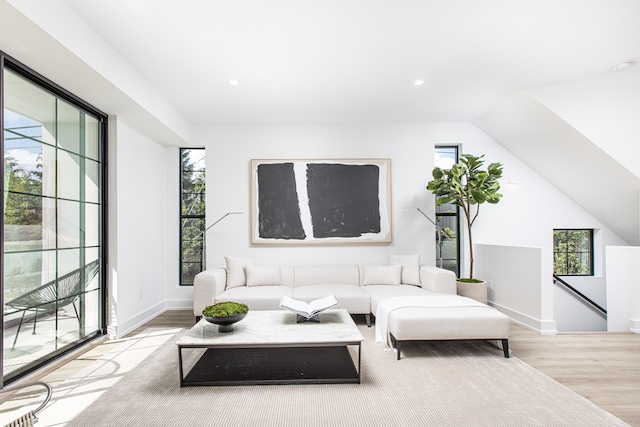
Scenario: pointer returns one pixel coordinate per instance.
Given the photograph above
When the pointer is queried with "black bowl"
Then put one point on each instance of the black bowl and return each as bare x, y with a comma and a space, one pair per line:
225, 324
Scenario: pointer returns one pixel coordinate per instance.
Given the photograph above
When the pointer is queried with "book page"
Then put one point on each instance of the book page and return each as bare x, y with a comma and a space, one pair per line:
296, 306
321, 304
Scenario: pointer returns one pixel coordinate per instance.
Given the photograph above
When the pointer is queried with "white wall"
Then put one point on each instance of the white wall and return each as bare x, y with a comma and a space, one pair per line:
623, 290
526, 215
519, 283
410, 147
177, 297
137, 209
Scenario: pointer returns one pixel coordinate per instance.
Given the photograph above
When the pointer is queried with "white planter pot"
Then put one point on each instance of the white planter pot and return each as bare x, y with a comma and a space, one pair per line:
477, 291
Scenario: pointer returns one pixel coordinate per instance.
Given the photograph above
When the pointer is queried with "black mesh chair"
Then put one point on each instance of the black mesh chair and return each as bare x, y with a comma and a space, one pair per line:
30, 418
54, 295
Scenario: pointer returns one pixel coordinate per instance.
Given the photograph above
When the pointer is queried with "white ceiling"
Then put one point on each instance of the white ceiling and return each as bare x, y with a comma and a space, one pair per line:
356, 60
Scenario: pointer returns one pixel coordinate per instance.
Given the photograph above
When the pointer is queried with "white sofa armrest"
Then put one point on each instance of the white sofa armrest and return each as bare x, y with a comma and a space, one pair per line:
206, 285
439, 280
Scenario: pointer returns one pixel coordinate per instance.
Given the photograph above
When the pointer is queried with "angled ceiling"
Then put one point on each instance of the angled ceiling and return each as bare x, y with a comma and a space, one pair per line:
357, 60
165, 65
573, 164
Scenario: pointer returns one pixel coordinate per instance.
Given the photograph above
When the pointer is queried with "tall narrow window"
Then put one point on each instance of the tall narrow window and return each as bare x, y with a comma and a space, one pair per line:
192, 213
573, 252
53, 221
447, 218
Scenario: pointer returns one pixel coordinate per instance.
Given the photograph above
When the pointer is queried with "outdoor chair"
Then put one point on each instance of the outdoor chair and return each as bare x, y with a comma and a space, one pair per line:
30, 418
54, 295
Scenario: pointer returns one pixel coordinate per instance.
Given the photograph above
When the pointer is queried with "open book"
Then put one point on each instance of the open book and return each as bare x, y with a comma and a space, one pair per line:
308, 310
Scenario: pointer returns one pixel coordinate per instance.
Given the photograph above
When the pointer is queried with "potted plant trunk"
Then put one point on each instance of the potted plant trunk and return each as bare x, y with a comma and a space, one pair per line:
468, 186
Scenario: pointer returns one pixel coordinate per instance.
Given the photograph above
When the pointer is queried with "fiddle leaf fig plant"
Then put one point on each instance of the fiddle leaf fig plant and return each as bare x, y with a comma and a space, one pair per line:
467, 185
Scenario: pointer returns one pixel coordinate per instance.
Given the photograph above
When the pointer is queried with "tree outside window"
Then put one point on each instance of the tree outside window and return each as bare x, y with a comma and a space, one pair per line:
573, 252
192, 212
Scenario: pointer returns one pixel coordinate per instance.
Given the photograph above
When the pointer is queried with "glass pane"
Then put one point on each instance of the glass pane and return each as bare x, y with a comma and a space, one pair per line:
68, 261
193, 193
68, 175
192, 239
91, 137
23, 168
68, 127
68, 224
23, 222
31, 109
49, 170
445, 157
91, 181
91, 256
192, 251
193, 160
44, 266
189, 271
22, 273
91, 225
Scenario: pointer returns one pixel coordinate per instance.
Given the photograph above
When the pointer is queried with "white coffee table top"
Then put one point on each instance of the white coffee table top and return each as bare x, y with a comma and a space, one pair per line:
276, 327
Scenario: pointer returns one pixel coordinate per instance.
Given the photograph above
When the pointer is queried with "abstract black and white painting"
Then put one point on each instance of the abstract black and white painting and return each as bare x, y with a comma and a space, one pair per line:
321, 201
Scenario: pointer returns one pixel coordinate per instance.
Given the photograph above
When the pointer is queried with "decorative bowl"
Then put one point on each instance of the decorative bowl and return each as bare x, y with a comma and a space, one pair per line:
225, 324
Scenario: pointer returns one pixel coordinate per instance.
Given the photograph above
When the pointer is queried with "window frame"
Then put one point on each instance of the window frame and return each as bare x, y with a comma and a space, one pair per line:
456, 214
183, 217
13, 65
590, 252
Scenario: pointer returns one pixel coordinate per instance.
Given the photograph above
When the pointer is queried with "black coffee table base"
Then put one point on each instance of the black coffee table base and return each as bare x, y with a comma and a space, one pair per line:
273, 365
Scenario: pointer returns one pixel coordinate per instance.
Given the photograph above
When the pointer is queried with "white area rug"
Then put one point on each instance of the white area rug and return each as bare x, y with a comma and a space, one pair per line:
434, 384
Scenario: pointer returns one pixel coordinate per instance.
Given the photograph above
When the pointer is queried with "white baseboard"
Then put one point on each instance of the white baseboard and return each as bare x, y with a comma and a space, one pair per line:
543, 327
121, 328
179, 304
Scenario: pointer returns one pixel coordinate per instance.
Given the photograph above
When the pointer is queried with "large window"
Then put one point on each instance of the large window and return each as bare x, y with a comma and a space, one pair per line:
192, 213
447, 218
53, 221
573, 252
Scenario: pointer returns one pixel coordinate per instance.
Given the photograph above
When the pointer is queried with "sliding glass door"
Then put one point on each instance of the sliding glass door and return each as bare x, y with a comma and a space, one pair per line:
52, 205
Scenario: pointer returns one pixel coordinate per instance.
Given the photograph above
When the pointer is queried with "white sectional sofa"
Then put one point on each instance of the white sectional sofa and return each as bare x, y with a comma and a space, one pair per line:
358, 288
411, 302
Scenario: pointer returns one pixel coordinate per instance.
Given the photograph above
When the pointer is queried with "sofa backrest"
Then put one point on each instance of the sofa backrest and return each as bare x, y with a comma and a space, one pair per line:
326, 275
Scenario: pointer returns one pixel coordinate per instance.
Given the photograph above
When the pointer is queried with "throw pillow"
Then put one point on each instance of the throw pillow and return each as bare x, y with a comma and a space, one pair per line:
410, 268
263, 275
235, 271
382, 274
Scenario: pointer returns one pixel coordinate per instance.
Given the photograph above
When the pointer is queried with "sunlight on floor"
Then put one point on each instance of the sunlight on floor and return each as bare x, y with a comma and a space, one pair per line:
87, 386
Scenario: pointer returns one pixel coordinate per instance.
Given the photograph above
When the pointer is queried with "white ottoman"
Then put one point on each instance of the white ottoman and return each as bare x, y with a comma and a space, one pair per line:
448, 323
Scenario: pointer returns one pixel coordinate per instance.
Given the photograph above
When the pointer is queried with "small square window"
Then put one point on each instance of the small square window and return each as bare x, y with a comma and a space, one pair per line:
573, 252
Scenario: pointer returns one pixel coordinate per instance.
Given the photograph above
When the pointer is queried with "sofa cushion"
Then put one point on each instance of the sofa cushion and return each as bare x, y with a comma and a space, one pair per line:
326, 275
382, 274
263, 275
382, 292
410, 268
350, 297
257, 297
236, 275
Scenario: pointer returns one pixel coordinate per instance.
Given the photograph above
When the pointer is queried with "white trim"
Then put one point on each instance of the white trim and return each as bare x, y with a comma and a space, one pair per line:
543, 327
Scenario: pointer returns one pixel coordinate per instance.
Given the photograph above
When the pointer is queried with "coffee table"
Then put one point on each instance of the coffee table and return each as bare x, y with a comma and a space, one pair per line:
270, 347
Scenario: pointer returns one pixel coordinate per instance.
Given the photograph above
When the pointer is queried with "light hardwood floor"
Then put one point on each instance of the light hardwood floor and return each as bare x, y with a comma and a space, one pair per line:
602, 367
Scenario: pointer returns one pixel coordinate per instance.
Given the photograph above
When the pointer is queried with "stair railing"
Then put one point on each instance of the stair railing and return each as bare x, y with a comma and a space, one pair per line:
557, 279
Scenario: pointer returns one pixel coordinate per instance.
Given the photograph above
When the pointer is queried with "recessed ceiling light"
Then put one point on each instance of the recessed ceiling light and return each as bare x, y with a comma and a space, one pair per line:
418, 82
622, 66
234, 82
